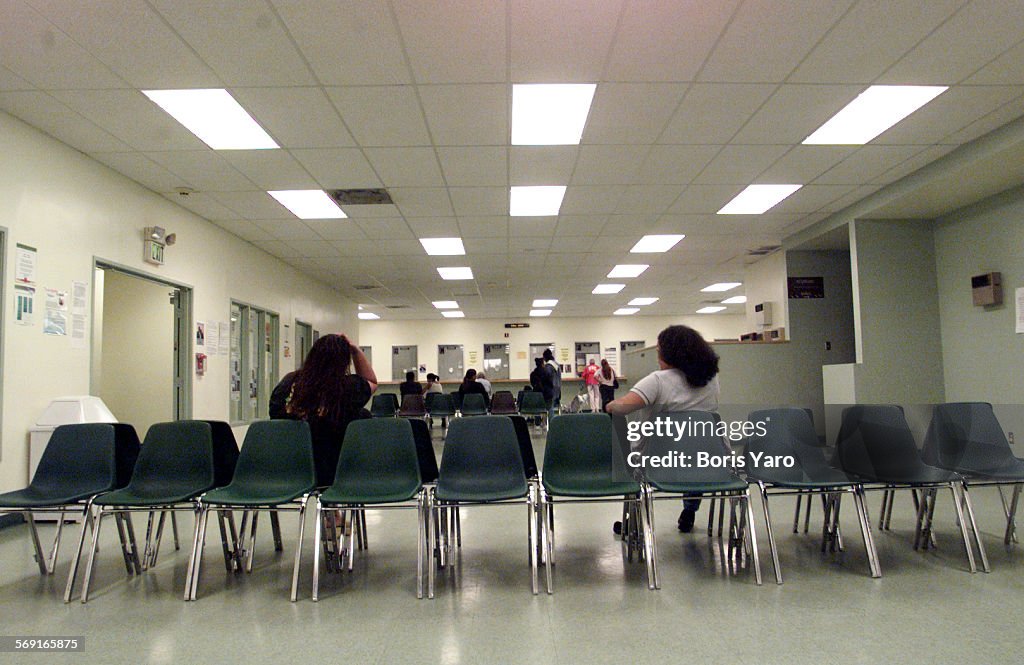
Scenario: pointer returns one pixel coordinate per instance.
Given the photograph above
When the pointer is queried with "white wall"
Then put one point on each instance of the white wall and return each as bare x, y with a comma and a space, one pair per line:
765, 281
564, 332
73, 209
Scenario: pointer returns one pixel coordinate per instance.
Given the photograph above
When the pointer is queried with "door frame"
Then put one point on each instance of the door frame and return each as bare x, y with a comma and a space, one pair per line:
182, 380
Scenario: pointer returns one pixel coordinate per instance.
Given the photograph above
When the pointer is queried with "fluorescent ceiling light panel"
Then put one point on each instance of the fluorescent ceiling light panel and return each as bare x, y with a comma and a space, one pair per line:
873, 111
604, 289
626, 311
756, 199
545, 303
709, 310
456, 273
214, 116
635, 302
735, 300
535, 201
627, 270
443, 246
540, 312
653, 244
550, 114
309, 203
721, 286
446, 304
453, 314
368, 316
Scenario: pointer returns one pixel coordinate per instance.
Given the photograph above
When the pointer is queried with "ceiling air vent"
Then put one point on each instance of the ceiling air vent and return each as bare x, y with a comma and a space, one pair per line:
397, 306
365, 287
763, 250
361, 197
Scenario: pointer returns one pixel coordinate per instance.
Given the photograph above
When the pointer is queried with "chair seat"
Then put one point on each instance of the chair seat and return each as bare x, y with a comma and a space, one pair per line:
149, 496
366, 495
481, 493
590, 487
270, 494
32, 497
922, 475
804, 479
698, 487
1010, 470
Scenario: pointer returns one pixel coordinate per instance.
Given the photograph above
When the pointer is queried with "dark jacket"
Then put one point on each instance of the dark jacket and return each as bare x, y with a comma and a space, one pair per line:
542, 380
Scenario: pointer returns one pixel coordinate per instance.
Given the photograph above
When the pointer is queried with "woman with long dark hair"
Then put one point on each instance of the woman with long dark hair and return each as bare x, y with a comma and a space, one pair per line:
687, 381
326, 395
607, 381
471, 385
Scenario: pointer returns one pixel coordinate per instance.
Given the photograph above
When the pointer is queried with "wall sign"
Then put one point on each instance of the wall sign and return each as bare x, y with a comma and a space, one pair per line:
806, 287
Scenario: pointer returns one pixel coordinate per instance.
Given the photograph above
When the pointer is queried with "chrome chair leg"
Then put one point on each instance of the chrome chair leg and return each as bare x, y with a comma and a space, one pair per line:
298, 547
865, 532
796, 514
532, 536
97, 523
421, 535
317, 535
431, 543
189, 577
647, 496
974, 529
711, 518
134, 544
275, 527
157, 538
148, 547
251, 553
123, 539
954, 487
204, 518
36, 545
881, 516
1011, 515
174, 529
69, 588
807, 515
752, 535
771, 534
545, 515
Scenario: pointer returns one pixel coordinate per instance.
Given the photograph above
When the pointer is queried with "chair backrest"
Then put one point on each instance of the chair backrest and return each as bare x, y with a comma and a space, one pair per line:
175, 458
441, 406
481, 457
966, 436
787, 431
701, 433
225, 452
579, 448
525, 445
379, 458
413, 406
473, 404
504, 403
533, 403
456, 398
428, 401
79, 459
276, 453
424, 450
384, 405
126, 446
519, 398
875, 441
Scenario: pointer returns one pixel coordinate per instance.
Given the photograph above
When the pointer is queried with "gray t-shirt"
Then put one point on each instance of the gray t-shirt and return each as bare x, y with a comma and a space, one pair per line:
668, 390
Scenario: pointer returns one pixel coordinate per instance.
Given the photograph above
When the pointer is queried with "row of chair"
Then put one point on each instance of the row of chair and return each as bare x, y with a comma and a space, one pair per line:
446, 405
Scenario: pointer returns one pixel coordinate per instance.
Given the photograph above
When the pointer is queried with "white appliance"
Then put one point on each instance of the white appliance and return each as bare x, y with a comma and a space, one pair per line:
63, 411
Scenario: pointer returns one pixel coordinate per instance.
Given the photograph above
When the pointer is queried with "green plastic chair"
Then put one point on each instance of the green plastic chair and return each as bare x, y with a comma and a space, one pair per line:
578, 461
474, 404
384, 405
534, 405
481, 465
693, 481
275, 472
504, 404
79, 463
789, 432
378, 467
174, 467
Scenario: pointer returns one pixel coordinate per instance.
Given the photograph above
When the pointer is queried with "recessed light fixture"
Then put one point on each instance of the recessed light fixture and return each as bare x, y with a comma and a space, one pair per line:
550, 114
445, 304
368, 316
214, 116
653, 244
873, 111
721, 286
545, 303
456, 273
309, 203
540, 312
627, 270
443, 246
735, 300
603, 289
709, 310
757, 199
642, 301
535, 201
626, 311
453, 314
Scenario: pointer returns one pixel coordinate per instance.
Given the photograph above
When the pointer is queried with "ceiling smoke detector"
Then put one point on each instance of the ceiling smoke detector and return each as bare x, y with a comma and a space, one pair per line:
360, 197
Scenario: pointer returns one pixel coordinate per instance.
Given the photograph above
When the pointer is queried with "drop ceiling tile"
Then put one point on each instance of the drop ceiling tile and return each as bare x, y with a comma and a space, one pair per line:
1007, 69
580, 225
794, 112
648, 45
923, 158
314, 248
478, 201
804, 163
253, 205
850, 198
287, 229
527, 244
386, 229
1004, 114
278, 248
483, 227
406, 167
244, 229
866, 164
784, 34
531, 226
631, 112
434, 227
204, 170
297, 117
712, 113
475, 166
739, 164
948, 113
811, 198
356, 248
704, 199
591, 199
335, 168
570, 244
541, 165
381, 115
141, 169
346, 42
560, 43
203, 205
406, 247
132, 117
478, 246
609, 164
422, 201
647, 199
336, 229
11, 81
370, 211
447, 44
676, 164
270, 169
467, 114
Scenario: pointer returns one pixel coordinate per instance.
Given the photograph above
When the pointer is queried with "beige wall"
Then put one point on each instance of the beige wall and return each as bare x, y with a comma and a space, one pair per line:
73, 209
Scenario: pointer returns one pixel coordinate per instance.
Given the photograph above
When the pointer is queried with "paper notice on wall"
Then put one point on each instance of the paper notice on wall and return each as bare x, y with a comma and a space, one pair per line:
212, 338
55, 322
611, 354
78, 331
79, 298
225, 338
201, 335
24, 304
1020, 310
25, 265
57, 299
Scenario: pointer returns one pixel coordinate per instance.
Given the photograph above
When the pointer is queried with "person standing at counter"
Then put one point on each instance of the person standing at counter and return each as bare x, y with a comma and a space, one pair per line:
607, 383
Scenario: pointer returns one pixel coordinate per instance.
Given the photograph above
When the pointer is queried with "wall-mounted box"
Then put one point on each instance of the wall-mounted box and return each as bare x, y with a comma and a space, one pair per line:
763, 314
987, 289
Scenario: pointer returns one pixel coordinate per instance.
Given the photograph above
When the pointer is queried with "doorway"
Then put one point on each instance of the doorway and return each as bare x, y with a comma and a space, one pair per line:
140, 346
303, 340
